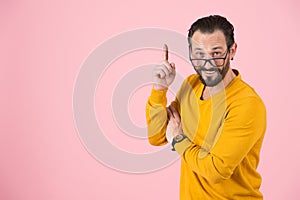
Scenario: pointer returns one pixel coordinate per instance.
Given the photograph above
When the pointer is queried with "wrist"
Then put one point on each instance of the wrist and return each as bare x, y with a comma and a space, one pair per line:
159, 87
158, 97
181, 144
177, 139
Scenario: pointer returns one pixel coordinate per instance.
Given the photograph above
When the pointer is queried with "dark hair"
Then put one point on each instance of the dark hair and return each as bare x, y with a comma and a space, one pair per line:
210, 24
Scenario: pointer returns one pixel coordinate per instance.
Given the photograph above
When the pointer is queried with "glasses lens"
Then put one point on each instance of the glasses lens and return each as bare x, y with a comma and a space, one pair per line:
198, 63
218, 61
198, 60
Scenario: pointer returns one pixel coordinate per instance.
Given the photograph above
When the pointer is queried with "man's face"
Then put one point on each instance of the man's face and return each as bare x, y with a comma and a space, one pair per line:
210, 46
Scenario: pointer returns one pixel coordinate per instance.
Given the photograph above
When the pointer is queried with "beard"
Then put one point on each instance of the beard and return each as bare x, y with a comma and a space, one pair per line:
213, 81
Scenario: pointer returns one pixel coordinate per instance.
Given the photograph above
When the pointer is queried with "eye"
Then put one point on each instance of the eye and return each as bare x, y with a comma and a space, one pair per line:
216, 54
199, 54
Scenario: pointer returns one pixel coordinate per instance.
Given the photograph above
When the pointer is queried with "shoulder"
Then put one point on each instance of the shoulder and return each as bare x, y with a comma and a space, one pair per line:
192, 80
190, 83
192, 77
241, 92
242, 99
244, 103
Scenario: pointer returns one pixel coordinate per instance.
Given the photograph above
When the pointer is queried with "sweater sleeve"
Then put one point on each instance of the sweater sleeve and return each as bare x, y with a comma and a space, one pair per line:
244, 125
156, 116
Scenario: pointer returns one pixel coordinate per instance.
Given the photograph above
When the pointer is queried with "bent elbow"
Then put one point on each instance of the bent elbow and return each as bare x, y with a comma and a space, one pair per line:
157, 141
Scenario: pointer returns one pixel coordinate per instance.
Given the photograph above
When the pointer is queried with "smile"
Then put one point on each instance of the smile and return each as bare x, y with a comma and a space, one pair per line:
209, 72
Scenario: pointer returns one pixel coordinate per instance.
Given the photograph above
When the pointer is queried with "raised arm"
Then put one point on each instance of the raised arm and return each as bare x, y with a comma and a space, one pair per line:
156, 114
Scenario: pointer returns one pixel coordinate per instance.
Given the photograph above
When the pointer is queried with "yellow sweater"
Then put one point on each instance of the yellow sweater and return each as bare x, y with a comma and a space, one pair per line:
224, 133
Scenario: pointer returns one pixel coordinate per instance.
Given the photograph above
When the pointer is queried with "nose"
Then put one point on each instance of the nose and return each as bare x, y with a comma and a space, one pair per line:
208, 65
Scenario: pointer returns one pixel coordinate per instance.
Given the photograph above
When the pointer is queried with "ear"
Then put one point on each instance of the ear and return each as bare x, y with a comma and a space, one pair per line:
233, 50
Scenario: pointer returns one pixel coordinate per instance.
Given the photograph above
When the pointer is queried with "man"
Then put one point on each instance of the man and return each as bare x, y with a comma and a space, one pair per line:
217, 121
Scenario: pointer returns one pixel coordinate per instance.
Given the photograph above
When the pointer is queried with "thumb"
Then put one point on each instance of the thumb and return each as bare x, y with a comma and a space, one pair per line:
172, 65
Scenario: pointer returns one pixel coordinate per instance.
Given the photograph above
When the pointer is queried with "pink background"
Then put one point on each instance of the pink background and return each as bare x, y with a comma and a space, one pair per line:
42, 45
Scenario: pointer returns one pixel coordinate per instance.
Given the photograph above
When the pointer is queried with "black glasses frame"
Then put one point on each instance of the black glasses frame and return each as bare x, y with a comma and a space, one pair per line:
208, 60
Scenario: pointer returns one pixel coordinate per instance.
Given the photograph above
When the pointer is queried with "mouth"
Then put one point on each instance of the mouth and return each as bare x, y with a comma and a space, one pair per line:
209, 73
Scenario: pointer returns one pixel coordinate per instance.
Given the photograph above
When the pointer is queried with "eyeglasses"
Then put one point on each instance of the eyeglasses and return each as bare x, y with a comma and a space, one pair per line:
201, 62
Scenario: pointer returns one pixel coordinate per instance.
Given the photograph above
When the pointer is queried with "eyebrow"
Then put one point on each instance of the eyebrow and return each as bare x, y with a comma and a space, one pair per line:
215, 48
198, 48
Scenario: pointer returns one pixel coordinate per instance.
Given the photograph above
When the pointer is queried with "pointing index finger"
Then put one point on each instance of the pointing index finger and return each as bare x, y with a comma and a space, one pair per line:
166, 52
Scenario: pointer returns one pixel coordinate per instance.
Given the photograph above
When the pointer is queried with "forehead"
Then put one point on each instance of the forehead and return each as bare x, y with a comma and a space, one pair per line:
208, 41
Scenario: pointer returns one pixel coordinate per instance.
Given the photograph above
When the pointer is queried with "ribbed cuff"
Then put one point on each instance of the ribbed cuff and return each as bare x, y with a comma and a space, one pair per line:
158, 96
180, 147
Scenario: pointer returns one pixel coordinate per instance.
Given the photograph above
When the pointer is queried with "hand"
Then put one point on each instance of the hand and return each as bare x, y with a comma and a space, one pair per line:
174, 126
164, 74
